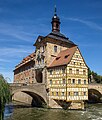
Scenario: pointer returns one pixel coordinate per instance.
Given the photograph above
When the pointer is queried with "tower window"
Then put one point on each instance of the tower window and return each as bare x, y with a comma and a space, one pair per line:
55, 48
57, 26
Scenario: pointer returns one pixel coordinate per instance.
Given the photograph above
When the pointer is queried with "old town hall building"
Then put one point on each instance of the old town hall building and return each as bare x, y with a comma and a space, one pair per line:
58, 63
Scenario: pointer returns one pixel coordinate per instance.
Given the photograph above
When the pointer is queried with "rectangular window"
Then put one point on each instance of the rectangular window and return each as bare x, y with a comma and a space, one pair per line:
77, 56
69, 93
76, 93
79, 81
84, 81
77, 71
70, 71
56, 93
64, 81
55, 48
50, 72
69, 81
62, 93
50, 82
84, 93
52, 93
84, 72
63, 70
73, 81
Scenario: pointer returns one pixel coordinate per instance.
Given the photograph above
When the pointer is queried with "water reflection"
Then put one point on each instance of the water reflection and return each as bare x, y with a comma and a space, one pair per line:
93, 112
8, 110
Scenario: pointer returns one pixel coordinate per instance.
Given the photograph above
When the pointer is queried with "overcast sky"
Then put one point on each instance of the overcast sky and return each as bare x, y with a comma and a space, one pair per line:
22, 21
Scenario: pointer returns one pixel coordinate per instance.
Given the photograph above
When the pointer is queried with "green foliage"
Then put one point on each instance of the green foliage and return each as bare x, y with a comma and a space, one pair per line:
4, 92
93, 76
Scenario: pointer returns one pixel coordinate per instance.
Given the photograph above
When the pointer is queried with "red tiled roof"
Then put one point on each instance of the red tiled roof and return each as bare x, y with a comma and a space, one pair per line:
63, 57
29, 57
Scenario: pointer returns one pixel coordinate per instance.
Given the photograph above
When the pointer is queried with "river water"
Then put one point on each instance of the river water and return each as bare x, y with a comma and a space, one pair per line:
92, 112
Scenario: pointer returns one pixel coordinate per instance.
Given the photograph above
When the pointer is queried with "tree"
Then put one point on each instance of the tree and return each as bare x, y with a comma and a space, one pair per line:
95, 77
89, 75
4, 92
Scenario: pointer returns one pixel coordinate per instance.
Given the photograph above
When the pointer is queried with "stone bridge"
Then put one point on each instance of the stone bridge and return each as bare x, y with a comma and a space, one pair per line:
97, 87
95, 92
36, 91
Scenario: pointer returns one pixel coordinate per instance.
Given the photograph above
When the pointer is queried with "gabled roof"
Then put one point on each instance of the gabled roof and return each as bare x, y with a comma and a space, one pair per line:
64, 57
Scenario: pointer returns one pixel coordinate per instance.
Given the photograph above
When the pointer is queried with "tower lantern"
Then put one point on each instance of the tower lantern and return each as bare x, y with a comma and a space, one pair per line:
55, 22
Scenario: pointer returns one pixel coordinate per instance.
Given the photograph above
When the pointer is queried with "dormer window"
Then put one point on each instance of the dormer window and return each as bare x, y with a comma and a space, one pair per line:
57, 58
66, 56
55, 48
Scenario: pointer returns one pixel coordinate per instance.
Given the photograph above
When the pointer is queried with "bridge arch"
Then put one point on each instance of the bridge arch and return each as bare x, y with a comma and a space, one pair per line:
38, 100
94, 95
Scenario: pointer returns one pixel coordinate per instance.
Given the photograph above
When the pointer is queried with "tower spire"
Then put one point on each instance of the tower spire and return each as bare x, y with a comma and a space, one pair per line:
55, 21
55, 10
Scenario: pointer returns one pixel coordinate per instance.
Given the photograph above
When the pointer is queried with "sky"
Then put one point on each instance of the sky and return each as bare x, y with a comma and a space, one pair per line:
22, 21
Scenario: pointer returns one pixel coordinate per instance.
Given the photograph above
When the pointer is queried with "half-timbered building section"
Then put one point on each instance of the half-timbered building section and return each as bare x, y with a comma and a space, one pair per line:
67, 76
